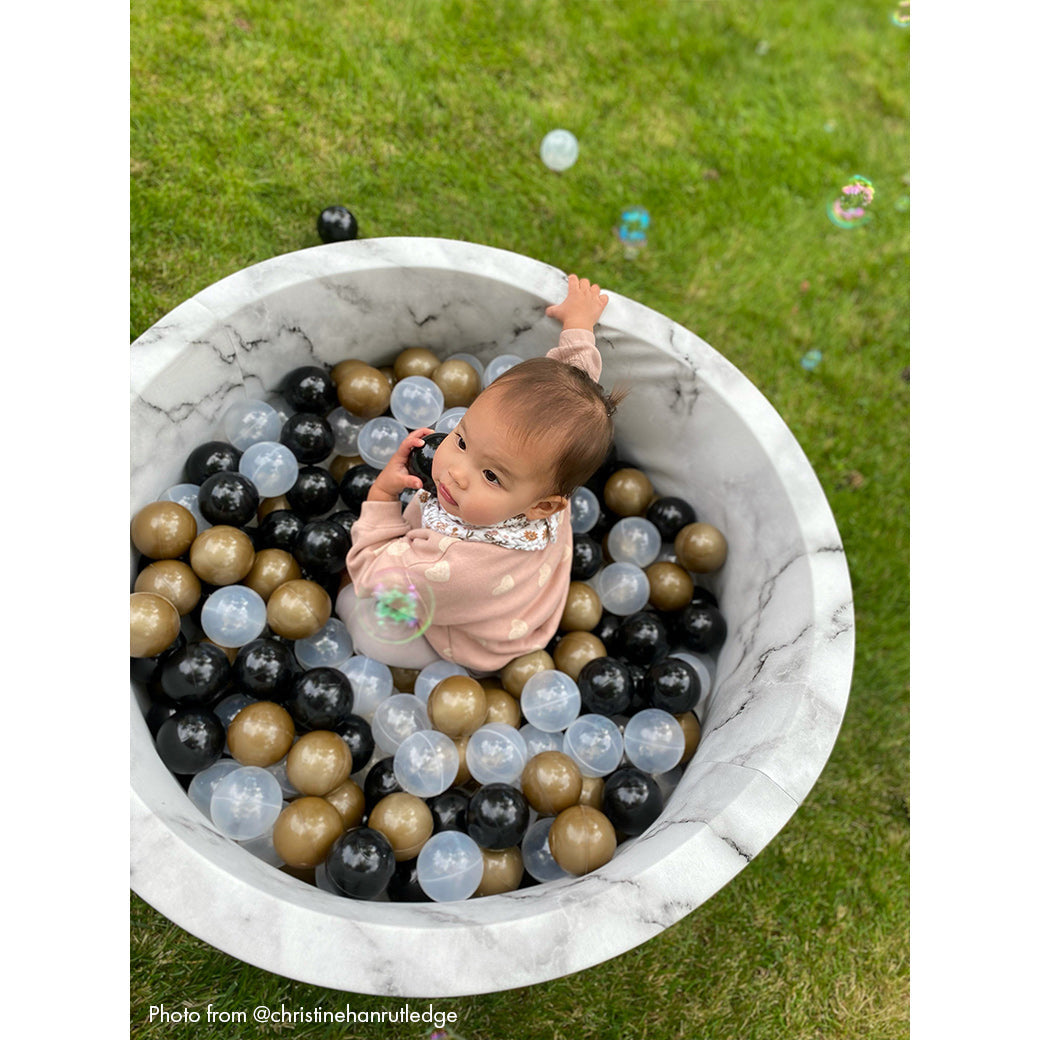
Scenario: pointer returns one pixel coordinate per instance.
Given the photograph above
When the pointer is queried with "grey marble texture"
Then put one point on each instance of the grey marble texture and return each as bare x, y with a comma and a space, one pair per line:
697, 427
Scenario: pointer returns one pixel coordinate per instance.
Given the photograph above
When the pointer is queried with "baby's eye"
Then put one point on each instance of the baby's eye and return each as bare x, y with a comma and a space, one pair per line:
489, 476
462, 443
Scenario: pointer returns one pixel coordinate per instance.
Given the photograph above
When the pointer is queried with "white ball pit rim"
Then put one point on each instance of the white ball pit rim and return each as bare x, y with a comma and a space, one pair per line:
697, 427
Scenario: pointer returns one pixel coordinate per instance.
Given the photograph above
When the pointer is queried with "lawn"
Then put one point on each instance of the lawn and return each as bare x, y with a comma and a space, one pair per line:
735, 125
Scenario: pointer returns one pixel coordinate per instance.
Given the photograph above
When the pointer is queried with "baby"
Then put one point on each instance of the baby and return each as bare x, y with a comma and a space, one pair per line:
493, 545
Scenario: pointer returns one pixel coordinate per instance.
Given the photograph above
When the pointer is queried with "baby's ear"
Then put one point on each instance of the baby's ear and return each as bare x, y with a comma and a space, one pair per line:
545, 507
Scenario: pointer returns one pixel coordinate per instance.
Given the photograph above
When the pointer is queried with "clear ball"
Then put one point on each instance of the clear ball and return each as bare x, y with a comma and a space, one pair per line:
263, 847
371, 681
534, 850
550, 700
379, 439
538, 740
234, 615
595, 744
426, 763
449, 420
187, 495
623, 588
432, 674
634, 539
250, 421
280, 771
416, 401
654, 740
329, 647
399, 716
559, 150
496, 754
584, 510
496, 366
245, 803
271, 466
449, 866
345, 430
200, 790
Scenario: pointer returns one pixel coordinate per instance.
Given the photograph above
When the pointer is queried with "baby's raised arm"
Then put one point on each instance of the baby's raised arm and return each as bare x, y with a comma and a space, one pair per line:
582, 306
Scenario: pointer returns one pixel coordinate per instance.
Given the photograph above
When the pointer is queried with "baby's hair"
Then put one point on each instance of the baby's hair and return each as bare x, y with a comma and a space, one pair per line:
546, 399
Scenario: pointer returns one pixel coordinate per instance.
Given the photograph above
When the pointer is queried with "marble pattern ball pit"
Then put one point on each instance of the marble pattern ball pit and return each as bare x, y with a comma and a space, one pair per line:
699, 431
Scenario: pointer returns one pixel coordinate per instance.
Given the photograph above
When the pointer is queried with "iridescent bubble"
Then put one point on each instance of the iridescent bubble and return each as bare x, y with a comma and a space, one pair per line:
631, 229
399, 609
559, 150
811, 359
901, 15
851, 208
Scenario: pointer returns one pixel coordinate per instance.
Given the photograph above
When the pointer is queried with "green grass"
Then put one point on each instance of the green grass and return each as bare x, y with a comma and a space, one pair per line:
250, 117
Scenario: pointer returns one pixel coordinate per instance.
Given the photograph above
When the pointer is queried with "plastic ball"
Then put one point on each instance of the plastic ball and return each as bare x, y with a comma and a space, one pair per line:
322, 698
420, 460
426, 763
497, 816
501, 707
633, 539
670, 515
550, 700
449, 420
200, 790
458, 381
337, 224
309, 388
190, 741
582, 839
450, 866
318, 762
415, 361
605, 685
642, 638
379, 439
405, 821
306, 830
623, 588
308, 436
314, 493
155, 624
271, 467
584, 510
245, 803
364, 391
222, 555
228, 707
187, 495
348, 799
496, 753
329, 647
538, 859
699, 627
380, 781
404, 884
628, 492
671, 587
360, 863
582, 609
397, 717
672, 685
197, 674
416, 401
248, 422
632, 800
691, 727
266, 669
228, 498
551, 781
260, 734
654, 740
515, 674
174, 580
595, 744
163, 530
297, 609
586, 558
503, 871
345, 430
271, 568
538, 740
322, 547
575, 650
499, 365
279, 529
457, 706
371, 681
209, 458
234, 615
701, 548
449, 809
559, 150
357, 734
355, 485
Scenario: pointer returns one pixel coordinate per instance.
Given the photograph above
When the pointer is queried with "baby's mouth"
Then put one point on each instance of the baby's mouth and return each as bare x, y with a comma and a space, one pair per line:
443, 494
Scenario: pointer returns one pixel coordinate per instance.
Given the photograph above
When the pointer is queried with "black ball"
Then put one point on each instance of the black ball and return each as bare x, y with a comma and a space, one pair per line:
404, 884
605, 686
357, 734
322, 546
310, 389
190, 741
704, 595
642, 638
670, 515
279, 530
586, 558
449, 810
146, 669
209, 458
632, 800
308, 436
497, 816
346, 518
337, 224
355, 485
314, 493
381, 781
360, 863
198, 674
266, 669
228, 498
157, 714
321, 698
420, 460
699, 627
672, 685
607, 629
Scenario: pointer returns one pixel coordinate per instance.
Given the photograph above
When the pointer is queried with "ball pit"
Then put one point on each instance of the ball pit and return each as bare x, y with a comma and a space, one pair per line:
779, 683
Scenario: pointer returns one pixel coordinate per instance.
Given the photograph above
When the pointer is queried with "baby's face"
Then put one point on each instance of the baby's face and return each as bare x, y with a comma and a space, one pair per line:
481, 477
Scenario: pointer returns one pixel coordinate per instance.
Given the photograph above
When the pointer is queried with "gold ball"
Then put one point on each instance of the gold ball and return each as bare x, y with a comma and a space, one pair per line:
551, 782
364, 391
581, 839
154, 624
341, 463
458, 381
515, 674
583, 609
701, 548
349, 801
297, 609
173, 579
305, 831
592, 791
272, 505
405, 821
416, 361
391, 376
671, 587
163, 530
260, 734
222, 555
503, 871
503, 708
463, 776
691, 728
271, 568
575, 650
404, 679
341, 368
457, 705
628, 492
318, 762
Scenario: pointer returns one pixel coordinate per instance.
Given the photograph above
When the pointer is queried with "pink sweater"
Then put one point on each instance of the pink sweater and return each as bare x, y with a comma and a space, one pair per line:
491, 603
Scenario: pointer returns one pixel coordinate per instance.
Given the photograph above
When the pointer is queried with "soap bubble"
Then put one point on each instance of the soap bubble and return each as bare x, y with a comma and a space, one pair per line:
245, 803
379, 438
450, 419
432, 674
901, 15
654, 740
271, 466
595, 744
399, 716
634, 539
584, 510
371, 680
496, 754
449, 866
497, 366
234, 615
631, 229
345, 430
534, 850
249, 421
811, 359
559, 150
426, 763
329, 647
550, 700
416, 401
623, 588
400, 608
850, 208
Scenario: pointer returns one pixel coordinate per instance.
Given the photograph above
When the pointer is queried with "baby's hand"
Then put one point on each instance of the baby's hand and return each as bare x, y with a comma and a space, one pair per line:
582, 306
394, 478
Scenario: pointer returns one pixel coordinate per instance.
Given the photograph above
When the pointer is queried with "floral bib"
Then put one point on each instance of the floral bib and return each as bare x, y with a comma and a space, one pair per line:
516, 533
